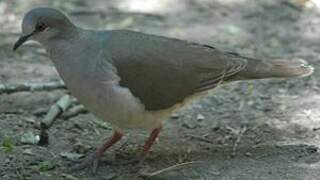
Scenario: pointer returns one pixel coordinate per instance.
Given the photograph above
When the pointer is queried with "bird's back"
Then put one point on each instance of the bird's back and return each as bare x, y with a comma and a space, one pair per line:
162, 71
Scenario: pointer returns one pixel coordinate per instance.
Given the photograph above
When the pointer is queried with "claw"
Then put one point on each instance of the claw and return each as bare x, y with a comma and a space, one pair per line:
93, 159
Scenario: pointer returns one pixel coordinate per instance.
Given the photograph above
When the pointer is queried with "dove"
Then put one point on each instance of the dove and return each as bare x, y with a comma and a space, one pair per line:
135, 80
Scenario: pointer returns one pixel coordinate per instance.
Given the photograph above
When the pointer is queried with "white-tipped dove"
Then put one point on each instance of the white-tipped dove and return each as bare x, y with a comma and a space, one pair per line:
136, 80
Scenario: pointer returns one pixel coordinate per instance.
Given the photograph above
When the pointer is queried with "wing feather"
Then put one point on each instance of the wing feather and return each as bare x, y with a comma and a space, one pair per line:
162, 71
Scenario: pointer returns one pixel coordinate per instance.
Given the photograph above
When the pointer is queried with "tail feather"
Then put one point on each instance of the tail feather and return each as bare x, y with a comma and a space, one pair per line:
256, 69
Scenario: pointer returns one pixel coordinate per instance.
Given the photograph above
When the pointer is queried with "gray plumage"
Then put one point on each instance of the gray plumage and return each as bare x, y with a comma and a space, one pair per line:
134, 79
162, 72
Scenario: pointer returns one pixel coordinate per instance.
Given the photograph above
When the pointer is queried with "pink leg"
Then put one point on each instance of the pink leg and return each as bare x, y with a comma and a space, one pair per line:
93, 159
146, 148
150, 141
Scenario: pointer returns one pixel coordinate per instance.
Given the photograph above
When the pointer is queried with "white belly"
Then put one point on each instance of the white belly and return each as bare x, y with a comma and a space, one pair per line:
98, 90
115, 104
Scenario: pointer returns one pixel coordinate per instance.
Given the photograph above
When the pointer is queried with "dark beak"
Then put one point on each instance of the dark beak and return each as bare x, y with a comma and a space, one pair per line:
21, 40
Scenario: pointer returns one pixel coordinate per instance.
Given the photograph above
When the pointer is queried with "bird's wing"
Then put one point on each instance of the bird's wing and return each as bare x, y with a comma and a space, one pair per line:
162, 72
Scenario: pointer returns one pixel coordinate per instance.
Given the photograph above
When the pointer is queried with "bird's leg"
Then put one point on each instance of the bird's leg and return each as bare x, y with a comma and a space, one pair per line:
146, 148
150, 141
93, 159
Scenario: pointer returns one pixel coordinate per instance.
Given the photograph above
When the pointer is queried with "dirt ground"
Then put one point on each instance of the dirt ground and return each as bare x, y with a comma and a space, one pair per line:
257, 130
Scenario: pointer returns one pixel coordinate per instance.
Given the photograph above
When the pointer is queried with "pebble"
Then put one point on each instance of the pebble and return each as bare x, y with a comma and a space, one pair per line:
200, 117
29, 138
71, 156
175, 116
27, 152
81, 148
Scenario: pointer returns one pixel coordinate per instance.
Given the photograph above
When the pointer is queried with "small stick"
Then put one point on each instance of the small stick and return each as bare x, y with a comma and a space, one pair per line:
61, 106
203, 139
101, 124
55, 111
170, 168
68, 176
48, 86
237, 142
74, 111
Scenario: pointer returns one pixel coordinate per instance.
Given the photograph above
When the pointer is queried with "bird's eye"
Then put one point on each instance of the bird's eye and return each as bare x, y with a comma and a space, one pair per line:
41, 27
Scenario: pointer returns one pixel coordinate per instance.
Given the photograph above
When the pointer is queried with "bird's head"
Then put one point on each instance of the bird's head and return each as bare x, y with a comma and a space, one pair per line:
42, 24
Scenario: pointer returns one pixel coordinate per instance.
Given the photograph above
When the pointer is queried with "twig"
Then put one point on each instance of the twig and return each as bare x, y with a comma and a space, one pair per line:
170, 168
12, 88
74, 111
237, 142
55, 110
101, 123
61, 106
68, 176
203, 139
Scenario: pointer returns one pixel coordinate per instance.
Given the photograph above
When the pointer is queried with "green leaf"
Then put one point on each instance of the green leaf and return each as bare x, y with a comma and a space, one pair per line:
46, 166
7, 145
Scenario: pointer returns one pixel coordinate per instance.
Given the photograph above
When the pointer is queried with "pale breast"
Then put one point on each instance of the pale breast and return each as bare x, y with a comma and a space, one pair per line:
95, 83
97, 88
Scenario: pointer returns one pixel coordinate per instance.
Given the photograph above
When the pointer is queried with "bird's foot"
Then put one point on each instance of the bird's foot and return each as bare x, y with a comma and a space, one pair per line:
93, 159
